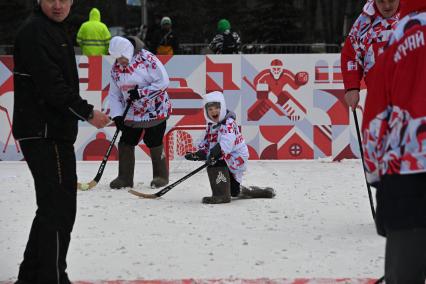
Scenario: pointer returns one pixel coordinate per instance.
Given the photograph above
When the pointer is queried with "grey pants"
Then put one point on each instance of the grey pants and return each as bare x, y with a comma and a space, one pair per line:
405, 261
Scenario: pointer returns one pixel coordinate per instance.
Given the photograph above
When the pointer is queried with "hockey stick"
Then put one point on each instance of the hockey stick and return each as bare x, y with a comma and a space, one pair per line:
169, 187
94, 182
380, 280
373, 212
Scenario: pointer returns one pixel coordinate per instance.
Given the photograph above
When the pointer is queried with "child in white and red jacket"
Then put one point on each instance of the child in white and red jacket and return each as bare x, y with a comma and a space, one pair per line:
394, 132
225, 150
138, 77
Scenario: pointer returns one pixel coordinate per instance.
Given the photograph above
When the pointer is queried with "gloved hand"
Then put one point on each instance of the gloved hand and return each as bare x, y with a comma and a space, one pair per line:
200, 155
215, 154
133, 94
119, 122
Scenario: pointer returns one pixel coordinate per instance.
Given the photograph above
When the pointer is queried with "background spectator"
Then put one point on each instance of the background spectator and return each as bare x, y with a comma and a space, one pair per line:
164, 41
93, 35
226, 41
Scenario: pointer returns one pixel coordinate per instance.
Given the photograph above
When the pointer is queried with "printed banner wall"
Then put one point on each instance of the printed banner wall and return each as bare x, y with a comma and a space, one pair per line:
288, 106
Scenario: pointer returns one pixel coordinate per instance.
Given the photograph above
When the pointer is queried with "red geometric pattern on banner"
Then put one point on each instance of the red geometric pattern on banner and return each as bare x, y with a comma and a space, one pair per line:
8, 62
94, 73
7, 86
269, 153
96, 149
194, 119
346, 153
339, 112
164, 58
295, 148
211, 85
269, 143
252, 153
274, 134
226, 69
323, 139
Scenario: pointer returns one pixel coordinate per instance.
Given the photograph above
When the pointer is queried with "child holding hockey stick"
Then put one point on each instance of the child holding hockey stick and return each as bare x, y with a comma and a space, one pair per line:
226, 152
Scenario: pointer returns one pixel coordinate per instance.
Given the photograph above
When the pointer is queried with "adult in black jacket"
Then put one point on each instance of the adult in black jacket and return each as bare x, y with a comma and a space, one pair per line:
47, 107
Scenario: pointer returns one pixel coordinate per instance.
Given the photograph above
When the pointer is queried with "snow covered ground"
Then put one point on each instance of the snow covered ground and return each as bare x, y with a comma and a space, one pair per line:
318, 226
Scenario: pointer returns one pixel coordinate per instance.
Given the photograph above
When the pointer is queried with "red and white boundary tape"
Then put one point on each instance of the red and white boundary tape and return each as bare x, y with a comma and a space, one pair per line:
235, 281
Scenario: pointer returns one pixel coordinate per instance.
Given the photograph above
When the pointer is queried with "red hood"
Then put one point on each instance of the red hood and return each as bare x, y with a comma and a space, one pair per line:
408, 6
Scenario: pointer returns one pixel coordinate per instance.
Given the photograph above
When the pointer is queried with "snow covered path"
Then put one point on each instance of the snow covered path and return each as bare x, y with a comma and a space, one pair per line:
318, 226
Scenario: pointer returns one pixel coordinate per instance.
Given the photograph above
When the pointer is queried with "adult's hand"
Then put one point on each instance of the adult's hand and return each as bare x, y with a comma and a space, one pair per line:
352, 98
99, 119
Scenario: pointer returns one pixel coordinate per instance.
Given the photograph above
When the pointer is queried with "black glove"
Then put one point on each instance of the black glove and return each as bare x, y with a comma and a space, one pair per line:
133, 94
200, 155
119, 122
215, 154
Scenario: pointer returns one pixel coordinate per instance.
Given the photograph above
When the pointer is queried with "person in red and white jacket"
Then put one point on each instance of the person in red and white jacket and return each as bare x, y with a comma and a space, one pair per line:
138, 77
394, 143
368, 35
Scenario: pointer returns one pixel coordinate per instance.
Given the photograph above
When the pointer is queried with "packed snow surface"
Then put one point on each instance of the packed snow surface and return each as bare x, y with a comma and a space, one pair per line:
318, 225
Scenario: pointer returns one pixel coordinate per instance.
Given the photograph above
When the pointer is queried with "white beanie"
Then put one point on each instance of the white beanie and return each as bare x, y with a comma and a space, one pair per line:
120, 46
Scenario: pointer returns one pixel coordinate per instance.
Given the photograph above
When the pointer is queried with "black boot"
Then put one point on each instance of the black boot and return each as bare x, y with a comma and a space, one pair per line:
126, 167
257, 192
220, 184
160, 171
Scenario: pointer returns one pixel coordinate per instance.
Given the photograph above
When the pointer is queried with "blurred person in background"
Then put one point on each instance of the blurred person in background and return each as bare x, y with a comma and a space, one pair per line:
368, 35
164, 41
47, 108
225, 41
93, 35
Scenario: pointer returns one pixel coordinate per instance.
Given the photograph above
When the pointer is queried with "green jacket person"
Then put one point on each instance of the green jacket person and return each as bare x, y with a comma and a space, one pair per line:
93, 36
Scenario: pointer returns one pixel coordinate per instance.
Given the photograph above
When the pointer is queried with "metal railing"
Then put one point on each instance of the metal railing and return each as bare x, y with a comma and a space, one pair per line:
266, 48
258, 48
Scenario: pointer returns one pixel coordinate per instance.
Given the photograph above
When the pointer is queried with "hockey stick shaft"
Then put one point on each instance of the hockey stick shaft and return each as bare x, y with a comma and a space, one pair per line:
370, 196
101, 169
169, 187
111, 145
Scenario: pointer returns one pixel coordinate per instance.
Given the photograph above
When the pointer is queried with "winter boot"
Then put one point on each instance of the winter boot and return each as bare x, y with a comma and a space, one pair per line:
257, 192
160, 171
126, 167
220, 184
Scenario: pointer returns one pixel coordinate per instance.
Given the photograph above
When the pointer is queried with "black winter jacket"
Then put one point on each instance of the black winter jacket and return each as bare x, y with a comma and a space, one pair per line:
47, 103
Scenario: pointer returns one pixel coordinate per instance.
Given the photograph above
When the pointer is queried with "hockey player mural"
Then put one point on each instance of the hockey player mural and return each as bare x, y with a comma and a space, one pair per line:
269, 85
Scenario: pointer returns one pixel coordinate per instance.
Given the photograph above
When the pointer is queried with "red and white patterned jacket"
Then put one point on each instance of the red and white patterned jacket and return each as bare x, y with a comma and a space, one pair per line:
394, 126
369, 34
227, 133
147, 72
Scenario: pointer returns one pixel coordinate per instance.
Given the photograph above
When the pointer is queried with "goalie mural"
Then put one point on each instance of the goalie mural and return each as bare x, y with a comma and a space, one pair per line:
270, 85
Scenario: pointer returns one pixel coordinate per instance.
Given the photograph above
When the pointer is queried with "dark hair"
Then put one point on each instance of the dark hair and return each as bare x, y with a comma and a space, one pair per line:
132, 40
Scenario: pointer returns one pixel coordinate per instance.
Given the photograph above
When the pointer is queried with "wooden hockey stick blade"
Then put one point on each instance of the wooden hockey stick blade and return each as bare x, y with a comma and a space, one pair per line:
86, 186
144, 195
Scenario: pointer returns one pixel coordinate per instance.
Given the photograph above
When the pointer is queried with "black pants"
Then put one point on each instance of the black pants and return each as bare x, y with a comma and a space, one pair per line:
405, 260
235, 185
153, 136
401, 217
53, 167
